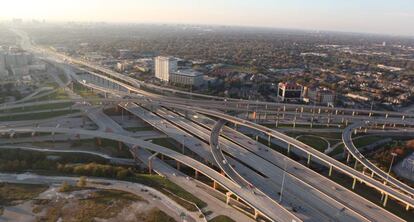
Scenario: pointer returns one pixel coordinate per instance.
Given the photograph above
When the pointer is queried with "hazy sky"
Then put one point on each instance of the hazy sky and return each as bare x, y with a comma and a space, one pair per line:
377, 16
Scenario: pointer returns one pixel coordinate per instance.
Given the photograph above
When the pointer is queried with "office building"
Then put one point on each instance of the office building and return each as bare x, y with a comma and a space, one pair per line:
289, 91
186, 77
320, 96
164, 66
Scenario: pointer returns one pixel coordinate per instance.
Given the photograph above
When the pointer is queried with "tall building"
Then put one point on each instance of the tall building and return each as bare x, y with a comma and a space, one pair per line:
321, 96
289, 91
164, 66
187, 77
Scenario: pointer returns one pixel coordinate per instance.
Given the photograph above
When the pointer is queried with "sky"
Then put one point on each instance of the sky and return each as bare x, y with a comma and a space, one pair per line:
395, 17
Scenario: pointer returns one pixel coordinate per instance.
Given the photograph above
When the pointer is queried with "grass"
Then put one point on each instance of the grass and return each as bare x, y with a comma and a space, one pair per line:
156, 215
169, 188
108, 146
10, 193
222, 218
314, 142
36, 116
84, 92
39, 107
167, 143
60, 94
367, 140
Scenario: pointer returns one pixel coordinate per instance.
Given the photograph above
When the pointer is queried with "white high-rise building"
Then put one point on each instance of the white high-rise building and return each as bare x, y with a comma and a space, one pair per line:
164, 66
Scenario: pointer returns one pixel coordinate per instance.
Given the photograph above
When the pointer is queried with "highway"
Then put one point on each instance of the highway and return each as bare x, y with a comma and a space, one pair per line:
332, 190
322, 207
242, 178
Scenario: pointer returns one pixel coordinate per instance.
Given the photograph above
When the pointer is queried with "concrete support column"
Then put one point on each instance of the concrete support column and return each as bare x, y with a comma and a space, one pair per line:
119, 145
99, 141
385, 200
407, 208
356, 164
228, 197
268, 140
354, 183
348, 157
386, 116
311, 124
309, 158
301, 111
288, 148
257, 138
150, 166
330, 170
215, 185
196, 174
256, 214
178, 165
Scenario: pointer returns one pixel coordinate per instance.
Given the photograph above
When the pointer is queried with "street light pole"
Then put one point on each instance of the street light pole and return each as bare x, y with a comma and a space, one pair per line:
283, 181
392, 161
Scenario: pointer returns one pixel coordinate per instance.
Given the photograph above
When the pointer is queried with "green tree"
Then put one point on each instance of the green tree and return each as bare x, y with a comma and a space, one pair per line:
81, 182
65, 187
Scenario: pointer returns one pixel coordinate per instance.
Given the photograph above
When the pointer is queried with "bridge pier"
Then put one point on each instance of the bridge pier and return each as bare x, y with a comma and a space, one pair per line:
356, 164
215, 185
354, 183
196, 174
385, 200
150, 166
348, 157
98, 141
268, 140
256, 214
119, 145
407, 208
330, 170
178, 165
228, 197
288, 148
309, 158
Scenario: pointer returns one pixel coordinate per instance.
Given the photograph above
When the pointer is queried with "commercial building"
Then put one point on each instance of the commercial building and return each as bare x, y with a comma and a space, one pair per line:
289, 91
186, 77
320, 96
164, 66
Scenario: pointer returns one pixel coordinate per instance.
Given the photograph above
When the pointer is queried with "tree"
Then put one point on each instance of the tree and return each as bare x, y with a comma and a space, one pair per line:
81, 182
65, 187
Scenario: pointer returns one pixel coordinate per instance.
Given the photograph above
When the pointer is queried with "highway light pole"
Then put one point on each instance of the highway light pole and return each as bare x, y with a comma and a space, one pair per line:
392, 161
283, 180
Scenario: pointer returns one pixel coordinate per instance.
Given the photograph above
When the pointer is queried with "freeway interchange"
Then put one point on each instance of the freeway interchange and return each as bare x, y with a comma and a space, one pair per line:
246, 169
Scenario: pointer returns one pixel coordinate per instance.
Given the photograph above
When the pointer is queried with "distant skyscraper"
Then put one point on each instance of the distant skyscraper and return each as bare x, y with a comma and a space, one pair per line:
164, 66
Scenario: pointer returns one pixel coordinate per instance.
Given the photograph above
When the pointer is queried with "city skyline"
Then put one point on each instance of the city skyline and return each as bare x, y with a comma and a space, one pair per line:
368, 16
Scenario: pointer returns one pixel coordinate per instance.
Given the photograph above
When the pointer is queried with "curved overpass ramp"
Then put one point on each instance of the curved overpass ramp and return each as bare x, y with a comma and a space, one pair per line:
351, 148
